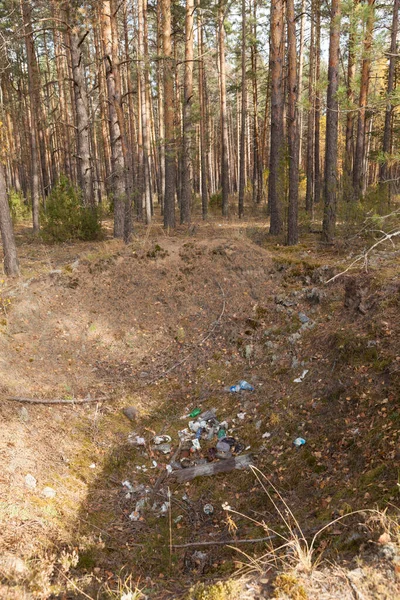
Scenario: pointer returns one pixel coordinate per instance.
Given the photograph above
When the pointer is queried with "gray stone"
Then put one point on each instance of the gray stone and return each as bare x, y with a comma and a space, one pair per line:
130, 412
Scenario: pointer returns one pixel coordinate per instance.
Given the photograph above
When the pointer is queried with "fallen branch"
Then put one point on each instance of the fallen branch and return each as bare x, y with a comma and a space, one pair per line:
222, 466
228, 542
364, 257
56, 400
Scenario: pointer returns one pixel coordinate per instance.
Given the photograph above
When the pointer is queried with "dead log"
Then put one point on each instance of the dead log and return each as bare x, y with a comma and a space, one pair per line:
222, 466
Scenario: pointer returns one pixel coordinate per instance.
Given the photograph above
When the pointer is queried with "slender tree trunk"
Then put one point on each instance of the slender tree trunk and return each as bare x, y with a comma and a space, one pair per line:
300, 85
293, 138
393, 59
142, 66
187, 182
349, 148
160, 105
203, 118
169, 200
358, 171
317, 126
224, 113
11, 267
76, 39
331, 140
276, 187
117, 156
242, 173
311, 115
32, 83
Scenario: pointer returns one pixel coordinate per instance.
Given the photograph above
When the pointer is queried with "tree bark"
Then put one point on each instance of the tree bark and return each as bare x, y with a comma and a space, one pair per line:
276, 185
331, 140
11, 267
293, 137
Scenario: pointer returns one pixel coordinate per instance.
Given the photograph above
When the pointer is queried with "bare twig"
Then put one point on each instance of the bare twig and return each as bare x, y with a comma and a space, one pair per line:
56, 400
364, 257
226, 543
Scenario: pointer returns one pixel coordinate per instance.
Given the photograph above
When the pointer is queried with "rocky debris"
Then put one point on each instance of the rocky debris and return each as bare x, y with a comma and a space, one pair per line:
315, 295
358, 295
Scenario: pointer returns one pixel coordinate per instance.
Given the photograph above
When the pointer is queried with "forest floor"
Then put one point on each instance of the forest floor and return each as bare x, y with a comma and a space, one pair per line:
164, 325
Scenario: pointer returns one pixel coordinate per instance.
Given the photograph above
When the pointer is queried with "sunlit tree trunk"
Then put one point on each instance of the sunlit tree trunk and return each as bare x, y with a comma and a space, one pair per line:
117, 156
203, 118
11, 267
276, 162
169, 200
293, 137
311, 115
32, 84
76, 40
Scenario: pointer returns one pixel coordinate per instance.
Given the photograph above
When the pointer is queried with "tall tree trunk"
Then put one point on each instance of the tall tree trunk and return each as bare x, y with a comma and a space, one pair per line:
317, 126
300, 85
293, 138
331, 139
169, 200
393, 58
160, 105
187, 182
224, 113
311, 115
76, 39
349, 148
203, 118
242, 173
11, 267
277, 155
117, 156
358, 171
142, 66
32, 85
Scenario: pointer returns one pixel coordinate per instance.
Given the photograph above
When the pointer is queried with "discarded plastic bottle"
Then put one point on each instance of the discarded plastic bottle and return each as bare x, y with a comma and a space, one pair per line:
195, 412
299, 442
198, 433
234, 388
221, 434
246, 386
208, 509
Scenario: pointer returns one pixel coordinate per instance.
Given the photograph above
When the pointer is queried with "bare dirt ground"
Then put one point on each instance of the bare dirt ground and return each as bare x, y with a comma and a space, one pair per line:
164, 325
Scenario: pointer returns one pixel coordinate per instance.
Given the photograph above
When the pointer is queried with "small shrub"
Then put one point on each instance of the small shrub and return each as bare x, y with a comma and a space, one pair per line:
19, 208
215, 203
66, 218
